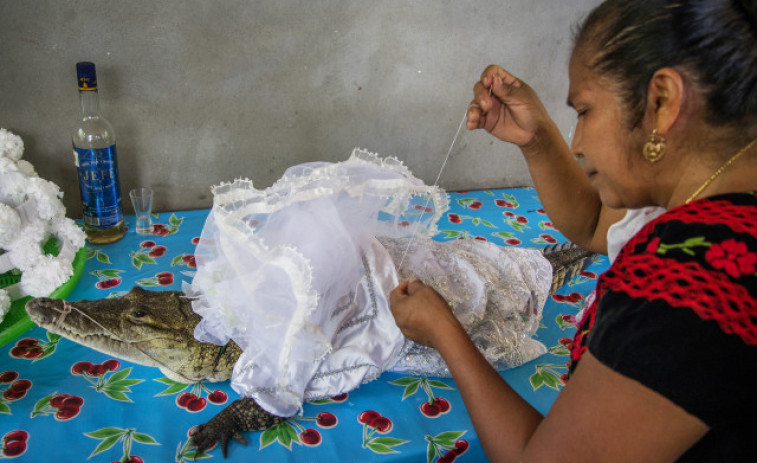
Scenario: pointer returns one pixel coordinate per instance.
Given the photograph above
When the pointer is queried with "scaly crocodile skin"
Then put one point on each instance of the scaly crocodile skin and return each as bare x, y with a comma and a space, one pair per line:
241, 415
155, 328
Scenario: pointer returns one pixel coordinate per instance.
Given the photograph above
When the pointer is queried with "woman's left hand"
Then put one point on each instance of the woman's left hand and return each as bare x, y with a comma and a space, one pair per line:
421, 313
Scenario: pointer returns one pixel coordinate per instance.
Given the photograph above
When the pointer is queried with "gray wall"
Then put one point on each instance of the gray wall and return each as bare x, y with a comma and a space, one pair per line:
201, 91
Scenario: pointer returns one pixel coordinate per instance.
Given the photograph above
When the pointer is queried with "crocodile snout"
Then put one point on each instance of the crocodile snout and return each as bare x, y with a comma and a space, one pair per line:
39, 309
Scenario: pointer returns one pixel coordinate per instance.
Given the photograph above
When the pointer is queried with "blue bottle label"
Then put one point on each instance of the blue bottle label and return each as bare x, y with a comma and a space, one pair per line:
99, 186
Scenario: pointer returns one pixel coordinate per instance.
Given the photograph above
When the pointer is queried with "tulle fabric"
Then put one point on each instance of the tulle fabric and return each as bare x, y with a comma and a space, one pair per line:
497, 294
292, 274
299, 276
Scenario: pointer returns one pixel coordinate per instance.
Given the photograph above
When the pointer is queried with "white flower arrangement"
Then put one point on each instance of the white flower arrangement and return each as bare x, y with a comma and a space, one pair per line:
30, 213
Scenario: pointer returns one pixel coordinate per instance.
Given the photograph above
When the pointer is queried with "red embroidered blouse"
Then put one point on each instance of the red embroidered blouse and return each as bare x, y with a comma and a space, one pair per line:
677, 311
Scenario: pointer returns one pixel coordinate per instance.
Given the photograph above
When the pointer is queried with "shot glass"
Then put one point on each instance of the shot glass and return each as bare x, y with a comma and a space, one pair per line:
141, 199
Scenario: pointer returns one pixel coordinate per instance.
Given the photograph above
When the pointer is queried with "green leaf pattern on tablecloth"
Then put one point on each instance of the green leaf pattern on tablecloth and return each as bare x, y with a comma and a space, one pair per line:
130, 413
111, 436
117, 386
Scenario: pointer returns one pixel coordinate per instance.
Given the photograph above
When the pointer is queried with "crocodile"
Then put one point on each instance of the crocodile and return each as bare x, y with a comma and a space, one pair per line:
156, 328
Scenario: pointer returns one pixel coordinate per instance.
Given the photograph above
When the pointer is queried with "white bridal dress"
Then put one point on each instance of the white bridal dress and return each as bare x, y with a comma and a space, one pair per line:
299, 276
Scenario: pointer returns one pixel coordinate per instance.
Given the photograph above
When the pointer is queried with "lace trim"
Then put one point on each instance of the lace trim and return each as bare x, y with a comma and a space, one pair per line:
379, 190
496, 293
283, 389
240, 199
363, 366
326, 374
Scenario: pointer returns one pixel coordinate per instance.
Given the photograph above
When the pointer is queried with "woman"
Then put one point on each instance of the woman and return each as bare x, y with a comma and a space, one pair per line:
666, 97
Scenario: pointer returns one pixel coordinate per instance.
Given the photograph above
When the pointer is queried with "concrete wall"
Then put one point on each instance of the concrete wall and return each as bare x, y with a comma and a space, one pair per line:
201, 91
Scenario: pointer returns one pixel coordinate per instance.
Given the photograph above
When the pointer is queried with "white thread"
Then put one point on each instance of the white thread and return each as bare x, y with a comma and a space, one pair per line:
446, 158
68, 308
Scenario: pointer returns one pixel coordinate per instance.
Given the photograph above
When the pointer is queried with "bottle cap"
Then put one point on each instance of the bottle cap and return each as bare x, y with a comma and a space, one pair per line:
86, 76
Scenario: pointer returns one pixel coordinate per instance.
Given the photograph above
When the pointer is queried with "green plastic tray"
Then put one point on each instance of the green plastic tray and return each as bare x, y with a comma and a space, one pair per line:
17, 321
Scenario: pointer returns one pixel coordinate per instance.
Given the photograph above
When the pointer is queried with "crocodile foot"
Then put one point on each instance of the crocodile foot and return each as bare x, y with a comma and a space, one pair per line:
241, 415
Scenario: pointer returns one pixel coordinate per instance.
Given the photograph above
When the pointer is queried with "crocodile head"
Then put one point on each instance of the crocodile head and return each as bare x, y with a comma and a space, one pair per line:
153, 328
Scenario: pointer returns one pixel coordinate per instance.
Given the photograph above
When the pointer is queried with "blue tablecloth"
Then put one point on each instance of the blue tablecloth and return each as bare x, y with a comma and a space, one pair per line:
68, 403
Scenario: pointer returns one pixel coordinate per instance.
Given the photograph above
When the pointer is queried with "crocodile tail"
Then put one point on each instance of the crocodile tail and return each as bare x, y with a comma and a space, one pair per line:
568, 261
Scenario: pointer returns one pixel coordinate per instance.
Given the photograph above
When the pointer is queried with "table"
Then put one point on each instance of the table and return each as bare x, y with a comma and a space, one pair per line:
114, 410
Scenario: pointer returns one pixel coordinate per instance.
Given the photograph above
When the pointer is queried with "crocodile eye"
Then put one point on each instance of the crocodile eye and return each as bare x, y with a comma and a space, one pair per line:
137, 315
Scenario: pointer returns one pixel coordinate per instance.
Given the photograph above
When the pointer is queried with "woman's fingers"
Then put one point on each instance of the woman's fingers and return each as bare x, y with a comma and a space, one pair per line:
483, 108
495, 76
496, 88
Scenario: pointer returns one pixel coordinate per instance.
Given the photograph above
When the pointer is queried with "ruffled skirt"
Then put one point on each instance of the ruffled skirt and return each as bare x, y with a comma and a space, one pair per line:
299, 275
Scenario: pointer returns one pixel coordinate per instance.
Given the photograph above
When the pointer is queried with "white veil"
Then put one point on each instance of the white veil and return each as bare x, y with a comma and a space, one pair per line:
293, 274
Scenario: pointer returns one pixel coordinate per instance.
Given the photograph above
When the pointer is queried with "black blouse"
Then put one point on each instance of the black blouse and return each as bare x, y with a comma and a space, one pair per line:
677, 311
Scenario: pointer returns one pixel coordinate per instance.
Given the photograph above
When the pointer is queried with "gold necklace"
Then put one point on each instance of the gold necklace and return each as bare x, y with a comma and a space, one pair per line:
720, 170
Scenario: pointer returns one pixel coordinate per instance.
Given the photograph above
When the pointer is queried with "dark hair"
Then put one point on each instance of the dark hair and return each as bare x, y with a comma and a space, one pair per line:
712, 42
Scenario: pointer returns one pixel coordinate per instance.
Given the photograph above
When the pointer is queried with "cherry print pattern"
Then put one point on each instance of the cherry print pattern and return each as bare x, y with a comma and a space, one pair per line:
164, 278
326, 420
376, 421
107, 284
160, 229
321, 420
447, 446
310, 437
157, 251
434, 408
94, 370
14, 443
17, 390
373, 422
548, 238
191, 402
27, 348
64, 406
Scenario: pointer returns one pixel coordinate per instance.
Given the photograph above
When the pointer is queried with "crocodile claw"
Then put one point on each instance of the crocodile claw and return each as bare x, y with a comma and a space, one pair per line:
241, 415
209, 433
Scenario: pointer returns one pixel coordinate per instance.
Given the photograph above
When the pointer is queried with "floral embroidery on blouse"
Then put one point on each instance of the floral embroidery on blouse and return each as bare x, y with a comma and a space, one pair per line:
711, 269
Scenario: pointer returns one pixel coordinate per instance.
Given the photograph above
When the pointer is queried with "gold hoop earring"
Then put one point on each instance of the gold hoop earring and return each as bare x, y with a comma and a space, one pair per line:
655, 148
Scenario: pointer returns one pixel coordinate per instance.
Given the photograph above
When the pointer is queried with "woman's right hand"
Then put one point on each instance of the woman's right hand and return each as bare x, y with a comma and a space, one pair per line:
421, 313
508, 108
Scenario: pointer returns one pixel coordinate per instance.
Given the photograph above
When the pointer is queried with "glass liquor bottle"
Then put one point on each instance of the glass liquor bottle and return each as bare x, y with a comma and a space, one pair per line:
97, 166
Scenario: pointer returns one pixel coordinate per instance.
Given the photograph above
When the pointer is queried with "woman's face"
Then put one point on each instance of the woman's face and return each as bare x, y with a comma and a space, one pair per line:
602, 137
